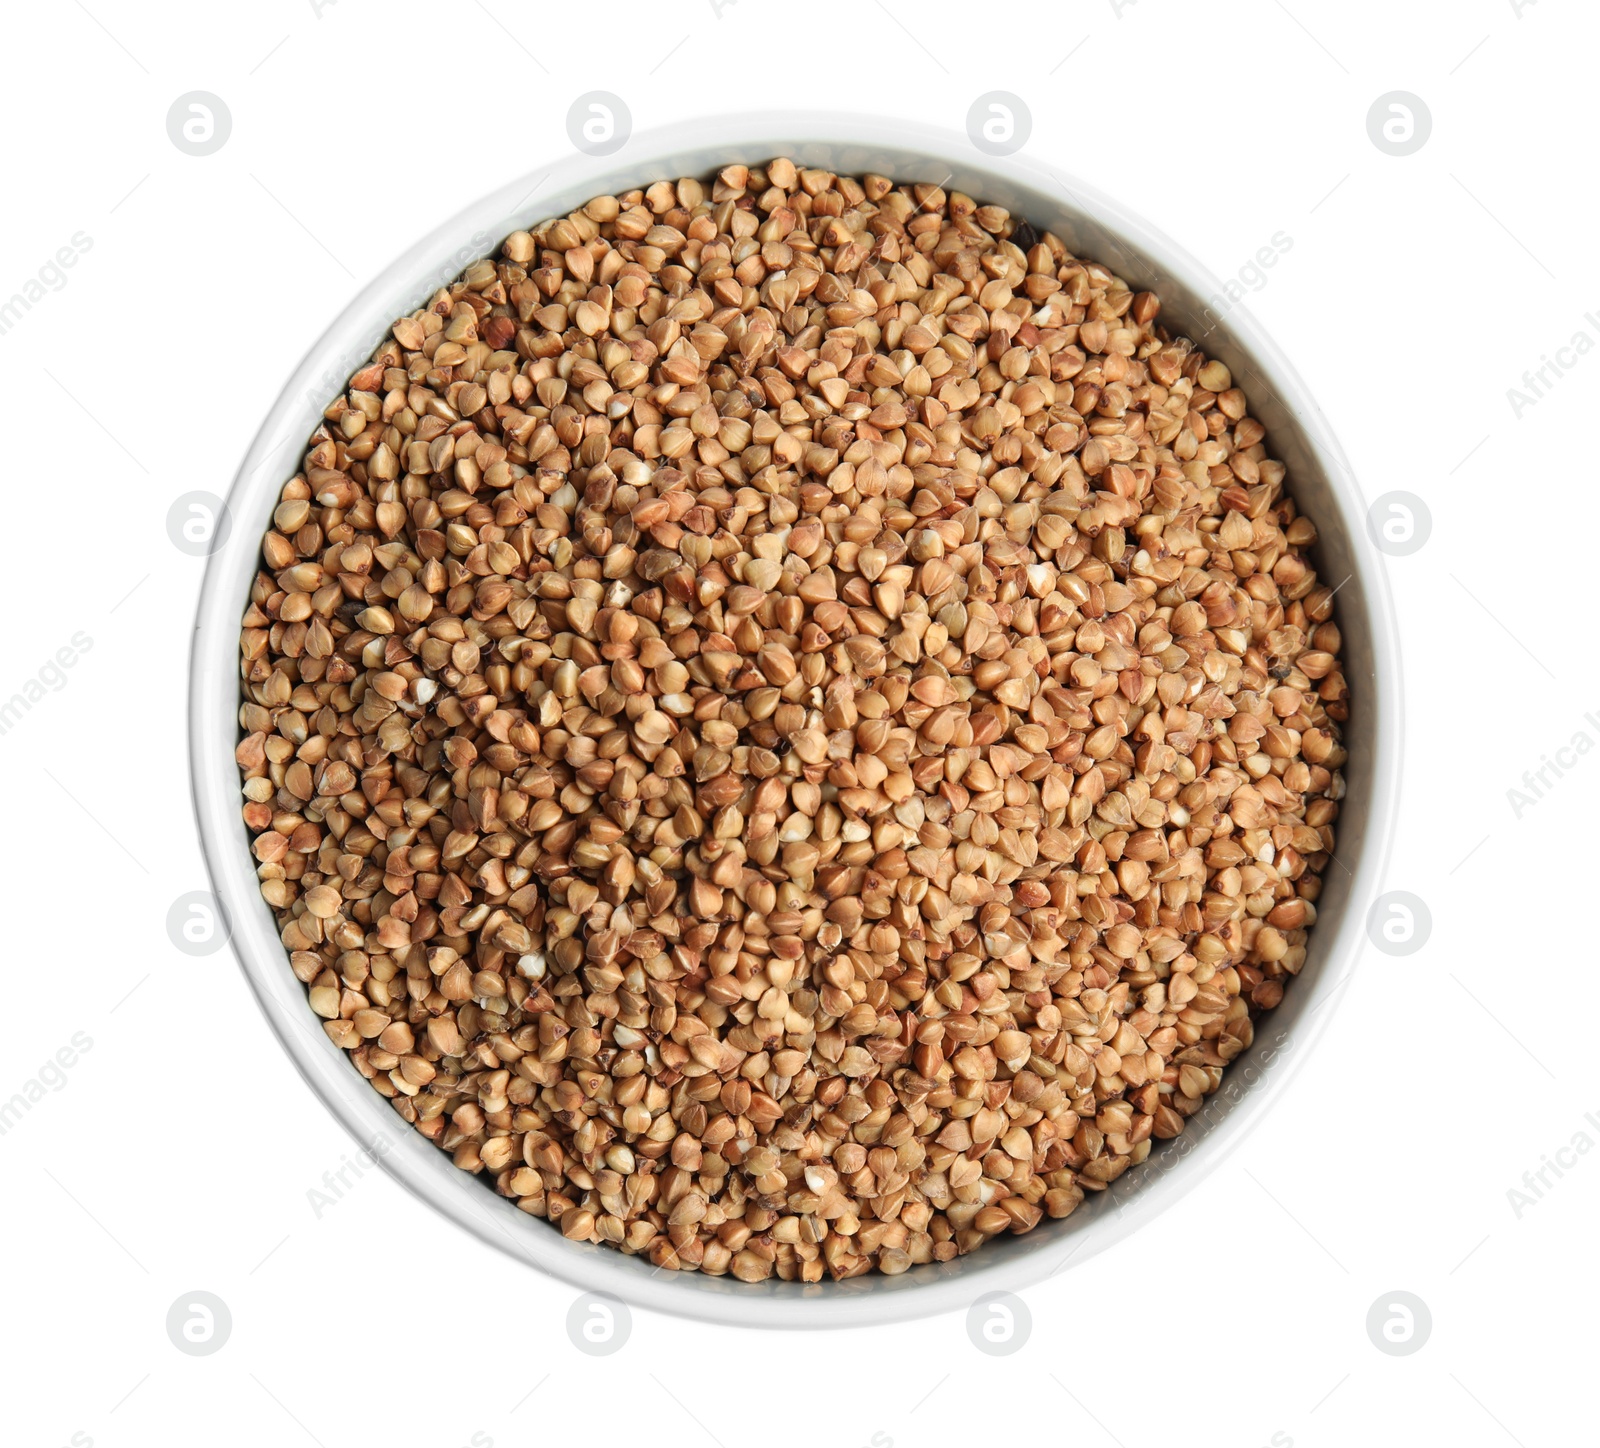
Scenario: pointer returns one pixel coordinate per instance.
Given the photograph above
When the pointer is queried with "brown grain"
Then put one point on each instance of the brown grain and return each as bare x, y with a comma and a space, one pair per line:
787, 732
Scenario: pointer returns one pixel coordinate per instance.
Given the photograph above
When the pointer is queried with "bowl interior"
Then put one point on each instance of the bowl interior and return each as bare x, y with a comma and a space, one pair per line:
1092, 226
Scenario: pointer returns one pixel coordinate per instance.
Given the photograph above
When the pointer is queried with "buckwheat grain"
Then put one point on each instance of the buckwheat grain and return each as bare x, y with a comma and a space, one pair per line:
789, 733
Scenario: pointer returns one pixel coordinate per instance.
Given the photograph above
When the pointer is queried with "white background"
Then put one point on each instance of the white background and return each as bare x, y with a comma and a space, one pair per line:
179, 1153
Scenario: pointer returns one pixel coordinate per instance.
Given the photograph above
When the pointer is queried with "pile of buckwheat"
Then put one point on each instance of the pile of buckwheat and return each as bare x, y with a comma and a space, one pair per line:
788, 724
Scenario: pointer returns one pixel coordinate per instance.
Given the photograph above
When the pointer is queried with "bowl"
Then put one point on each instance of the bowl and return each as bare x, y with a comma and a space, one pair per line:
1092, 225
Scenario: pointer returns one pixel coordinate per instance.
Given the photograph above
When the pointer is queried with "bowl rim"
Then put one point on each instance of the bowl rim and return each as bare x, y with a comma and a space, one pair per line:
417, 1164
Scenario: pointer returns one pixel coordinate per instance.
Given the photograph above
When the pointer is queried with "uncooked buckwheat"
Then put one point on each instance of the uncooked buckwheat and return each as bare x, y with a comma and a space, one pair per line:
788, 724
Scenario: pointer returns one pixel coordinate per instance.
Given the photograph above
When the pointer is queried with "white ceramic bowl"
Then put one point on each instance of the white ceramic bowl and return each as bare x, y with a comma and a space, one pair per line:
1093, 226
